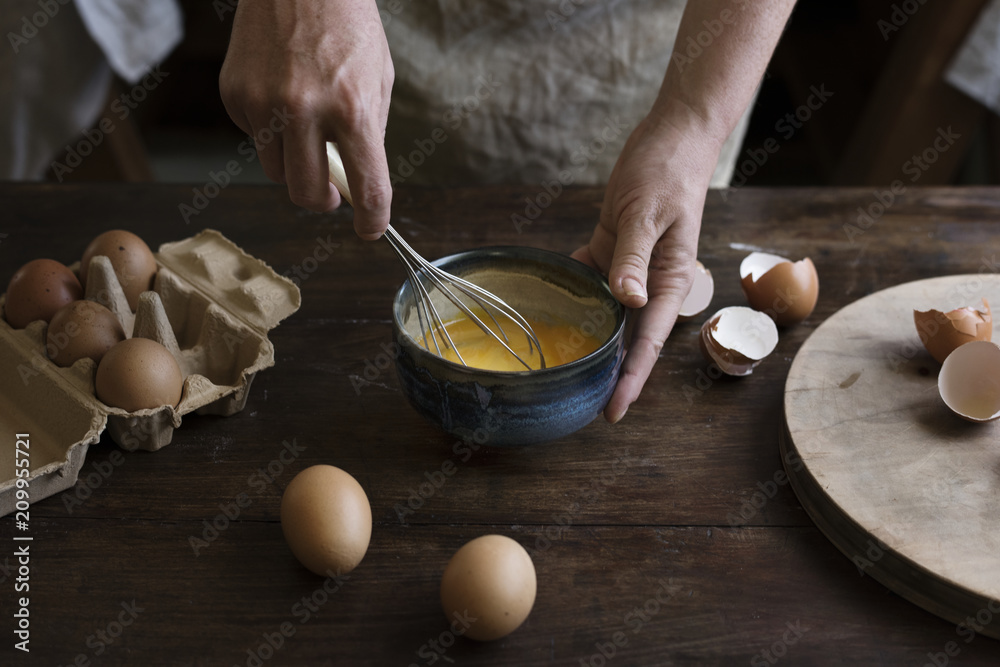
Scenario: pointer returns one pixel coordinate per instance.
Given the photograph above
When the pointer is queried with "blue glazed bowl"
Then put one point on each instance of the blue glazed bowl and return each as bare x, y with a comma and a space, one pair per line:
525, 407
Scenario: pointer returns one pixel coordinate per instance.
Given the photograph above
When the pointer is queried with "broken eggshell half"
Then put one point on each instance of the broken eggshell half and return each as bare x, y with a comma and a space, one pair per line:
969, 381
700, 295
942, 333
784, 290
737, 339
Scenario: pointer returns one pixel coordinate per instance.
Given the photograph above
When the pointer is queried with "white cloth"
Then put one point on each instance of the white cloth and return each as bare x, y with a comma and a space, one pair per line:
975, 69
135, 35
516, 91
56, 69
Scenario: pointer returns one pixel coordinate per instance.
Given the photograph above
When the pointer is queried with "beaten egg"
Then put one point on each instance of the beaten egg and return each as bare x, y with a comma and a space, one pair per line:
560, 341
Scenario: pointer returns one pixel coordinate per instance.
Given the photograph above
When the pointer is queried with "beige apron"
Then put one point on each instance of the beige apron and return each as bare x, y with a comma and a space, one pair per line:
521, 91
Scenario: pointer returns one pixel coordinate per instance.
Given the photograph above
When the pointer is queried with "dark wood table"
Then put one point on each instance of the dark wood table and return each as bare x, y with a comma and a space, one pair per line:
662, 540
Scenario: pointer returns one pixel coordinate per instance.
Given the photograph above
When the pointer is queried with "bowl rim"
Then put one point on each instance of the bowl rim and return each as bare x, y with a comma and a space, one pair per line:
516, 252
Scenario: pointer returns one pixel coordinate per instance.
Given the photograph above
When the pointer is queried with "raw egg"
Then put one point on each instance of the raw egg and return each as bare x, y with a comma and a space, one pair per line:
139, 374
699, 297
326, 520
560, 341
38, 290
783, 290
131, 258
969, 381
82, 329
491, 582
737, 339
941, 333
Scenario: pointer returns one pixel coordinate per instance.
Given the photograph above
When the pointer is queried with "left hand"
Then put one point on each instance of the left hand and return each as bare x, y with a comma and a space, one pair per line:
647, 239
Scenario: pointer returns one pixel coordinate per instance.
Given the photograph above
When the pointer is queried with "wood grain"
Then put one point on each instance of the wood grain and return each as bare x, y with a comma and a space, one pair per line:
695, 496
905, 488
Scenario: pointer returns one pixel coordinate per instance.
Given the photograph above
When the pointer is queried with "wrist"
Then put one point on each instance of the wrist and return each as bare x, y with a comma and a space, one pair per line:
694, 123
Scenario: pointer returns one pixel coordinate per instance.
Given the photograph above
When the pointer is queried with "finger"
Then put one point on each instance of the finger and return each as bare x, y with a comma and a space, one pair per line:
388, 77
654, 324
629, 272
240, 119
307, 168
270, 152
582, 254
368, 176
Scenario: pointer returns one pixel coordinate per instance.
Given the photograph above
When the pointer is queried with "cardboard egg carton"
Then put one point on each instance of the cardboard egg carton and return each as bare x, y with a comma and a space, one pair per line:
212, 306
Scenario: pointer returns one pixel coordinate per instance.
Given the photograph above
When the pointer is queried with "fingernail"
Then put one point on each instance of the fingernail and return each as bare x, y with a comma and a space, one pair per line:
614, 419
633, 287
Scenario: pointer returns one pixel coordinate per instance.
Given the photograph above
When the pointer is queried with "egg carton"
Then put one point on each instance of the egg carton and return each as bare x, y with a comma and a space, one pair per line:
212, 305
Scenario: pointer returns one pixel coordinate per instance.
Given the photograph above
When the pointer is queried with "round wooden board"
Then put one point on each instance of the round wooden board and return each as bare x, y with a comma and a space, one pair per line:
905, 488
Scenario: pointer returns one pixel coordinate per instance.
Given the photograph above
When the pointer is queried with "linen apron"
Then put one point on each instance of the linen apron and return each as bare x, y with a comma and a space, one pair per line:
522, 91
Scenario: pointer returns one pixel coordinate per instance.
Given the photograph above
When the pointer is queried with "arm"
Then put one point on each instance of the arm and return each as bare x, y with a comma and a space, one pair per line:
299, 73
647, 236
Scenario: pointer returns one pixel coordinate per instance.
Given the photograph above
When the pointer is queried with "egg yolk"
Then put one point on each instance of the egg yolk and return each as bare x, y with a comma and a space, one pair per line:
561, 343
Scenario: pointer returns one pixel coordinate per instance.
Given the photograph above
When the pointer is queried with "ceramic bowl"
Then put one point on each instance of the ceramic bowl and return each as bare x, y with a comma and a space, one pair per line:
524, 407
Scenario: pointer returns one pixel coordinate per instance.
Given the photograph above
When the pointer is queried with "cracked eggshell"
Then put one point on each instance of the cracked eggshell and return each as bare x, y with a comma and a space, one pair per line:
969, 381
784, 290
942, 333
699, 296
737, 339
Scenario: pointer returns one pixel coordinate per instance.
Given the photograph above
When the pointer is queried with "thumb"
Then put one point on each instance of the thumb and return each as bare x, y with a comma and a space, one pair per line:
630, 264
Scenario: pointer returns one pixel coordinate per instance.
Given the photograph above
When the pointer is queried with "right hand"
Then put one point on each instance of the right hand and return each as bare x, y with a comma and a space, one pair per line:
323, 65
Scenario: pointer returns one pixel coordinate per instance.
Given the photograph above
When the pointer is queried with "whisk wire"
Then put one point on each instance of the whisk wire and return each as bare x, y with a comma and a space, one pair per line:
427, 314
477, 294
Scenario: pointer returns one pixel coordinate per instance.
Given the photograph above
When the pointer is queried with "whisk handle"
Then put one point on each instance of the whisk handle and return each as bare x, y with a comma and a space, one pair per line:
337, 174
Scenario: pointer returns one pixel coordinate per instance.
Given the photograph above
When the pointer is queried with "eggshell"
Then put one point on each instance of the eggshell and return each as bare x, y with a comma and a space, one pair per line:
737, 339
969, 381
700, 295
139, 374
785, 291
326, 520
82, 329
491, 580
941, 333
39, 289
131, 258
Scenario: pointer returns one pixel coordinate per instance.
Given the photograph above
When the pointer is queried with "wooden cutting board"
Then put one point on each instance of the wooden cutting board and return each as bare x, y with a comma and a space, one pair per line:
905, 488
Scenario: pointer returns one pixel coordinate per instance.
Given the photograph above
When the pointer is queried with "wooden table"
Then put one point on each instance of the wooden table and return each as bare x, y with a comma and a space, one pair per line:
662, 540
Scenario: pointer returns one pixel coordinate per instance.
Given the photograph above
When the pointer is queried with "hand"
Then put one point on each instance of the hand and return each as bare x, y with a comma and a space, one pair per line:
647, 239
299, 73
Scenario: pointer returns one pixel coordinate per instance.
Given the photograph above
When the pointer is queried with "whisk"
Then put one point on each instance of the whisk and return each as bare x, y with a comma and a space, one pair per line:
431, 324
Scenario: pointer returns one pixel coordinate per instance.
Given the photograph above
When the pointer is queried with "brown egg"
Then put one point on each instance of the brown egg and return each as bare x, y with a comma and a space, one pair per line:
38, 290
941, 333
326, 520
969, 381
737, 338
139, 374
82, 329
785, 291
488, 588
131, 258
